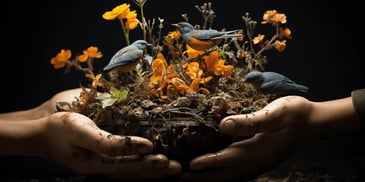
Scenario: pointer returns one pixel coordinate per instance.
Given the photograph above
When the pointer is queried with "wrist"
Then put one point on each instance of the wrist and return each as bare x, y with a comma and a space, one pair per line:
21, 138
332, 118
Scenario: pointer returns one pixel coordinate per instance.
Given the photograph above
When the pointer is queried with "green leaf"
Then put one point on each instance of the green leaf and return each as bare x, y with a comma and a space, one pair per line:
119, 95
104, 96
115, 95
107, 102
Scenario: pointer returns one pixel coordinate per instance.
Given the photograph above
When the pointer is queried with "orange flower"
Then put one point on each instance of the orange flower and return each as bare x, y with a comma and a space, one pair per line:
95, 79
273, 17
280, 45
91, 52
179, 85
216, 65
120, 11
194, 71
242, 54
258, 39
221, 69
192, 53
211, 60
60, 59
286, 32
159, 66
195, 85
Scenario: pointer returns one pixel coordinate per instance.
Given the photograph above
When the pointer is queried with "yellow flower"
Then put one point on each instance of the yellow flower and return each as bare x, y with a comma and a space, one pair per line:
60, 59
280, 45
91, 52
131, 24
127, 18
174, 35
132, 21
121, 10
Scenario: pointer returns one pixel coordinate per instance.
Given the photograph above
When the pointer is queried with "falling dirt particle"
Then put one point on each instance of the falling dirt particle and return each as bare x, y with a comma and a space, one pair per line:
128, 140
109, 136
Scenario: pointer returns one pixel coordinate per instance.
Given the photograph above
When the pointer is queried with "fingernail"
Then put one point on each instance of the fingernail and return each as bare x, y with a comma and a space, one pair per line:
228, 126
159, 161
174, 169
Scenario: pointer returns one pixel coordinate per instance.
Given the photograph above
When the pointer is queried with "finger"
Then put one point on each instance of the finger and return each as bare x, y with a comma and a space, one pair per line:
252, 156
131, 167
218, 159
90, 137
233, 173
249, 124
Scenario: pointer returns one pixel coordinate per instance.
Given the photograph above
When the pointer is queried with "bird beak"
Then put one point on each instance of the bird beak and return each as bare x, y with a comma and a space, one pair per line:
174, 24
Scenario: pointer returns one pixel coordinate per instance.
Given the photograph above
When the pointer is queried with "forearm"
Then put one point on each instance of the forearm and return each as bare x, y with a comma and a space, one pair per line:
38, 112
332, 118
20, 138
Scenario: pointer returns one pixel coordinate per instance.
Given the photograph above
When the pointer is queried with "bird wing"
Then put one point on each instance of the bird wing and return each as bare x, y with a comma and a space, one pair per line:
282, 84
205, 34
124, 57
270, 86
274, 82
292, 86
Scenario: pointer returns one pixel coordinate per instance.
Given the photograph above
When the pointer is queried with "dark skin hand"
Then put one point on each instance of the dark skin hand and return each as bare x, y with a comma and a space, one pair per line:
276, 131
73, 140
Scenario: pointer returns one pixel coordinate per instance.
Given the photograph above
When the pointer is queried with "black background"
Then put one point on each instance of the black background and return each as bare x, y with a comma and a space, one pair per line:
325, 52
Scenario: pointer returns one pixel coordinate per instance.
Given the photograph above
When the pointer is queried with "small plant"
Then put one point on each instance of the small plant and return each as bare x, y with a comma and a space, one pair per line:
176, 95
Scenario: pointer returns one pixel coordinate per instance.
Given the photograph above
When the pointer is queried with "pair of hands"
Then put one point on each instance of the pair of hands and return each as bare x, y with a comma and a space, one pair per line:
277, 130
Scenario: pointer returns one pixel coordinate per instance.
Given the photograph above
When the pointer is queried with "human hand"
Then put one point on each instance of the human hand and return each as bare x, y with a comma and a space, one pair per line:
273, 133
75, 141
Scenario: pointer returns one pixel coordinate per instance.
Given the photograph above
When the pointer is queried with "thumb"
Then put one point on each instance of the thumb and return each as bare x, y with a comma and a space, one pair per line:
251, 124
87, 135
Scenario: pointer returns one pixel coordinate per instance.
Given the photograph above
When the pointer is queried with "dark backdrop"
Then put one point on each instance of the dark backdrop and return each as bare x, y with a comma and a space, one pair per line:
325, 52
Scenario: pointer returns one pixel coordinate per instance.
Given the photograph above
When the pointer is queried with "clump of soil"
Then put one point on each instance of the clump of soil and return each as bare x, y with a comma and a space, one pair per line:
181, 128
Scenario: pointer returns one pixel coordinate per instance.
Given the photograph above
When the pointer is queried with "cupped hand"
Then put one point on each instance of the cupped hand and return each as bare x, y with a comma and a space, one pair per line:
75, 141
273, 133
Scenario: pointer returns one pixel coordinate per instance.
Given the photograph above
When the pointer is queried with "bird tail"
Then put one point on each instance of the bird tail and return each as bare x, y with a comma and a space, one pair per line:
301, 88
230, 34
233, 31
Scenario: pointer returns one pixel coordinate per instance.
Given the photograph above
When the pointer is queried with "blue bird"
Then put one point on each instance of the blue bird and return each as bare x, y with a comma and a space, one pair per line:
127, 58
274, 83
203, 39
